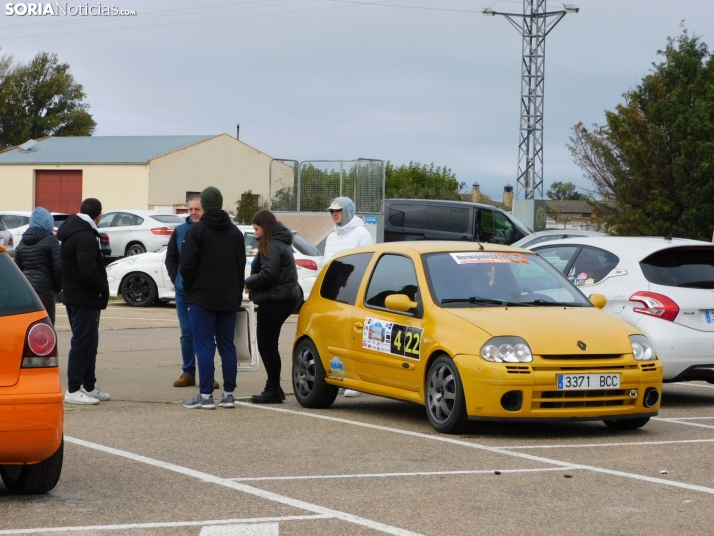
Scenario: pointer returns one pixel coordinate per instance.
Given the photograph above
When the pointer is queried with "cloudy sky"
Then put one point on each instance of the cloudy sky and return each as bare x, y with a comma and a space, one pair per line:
414, 80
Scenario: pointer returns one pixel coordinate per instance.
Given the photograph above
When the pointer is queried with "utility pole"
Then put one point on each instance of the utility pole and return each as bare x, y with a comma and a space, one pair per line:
534, 24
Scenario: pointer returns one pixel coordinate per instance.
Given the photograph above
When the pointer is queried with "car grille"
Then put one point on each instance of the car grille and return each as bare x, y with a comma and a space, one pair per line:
581, 399
511, 369
582, 356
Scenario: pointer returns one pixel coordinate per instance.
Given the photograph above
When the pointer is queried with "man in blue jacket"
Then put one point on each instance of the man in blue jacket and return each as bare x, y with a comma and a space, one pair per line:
188, 376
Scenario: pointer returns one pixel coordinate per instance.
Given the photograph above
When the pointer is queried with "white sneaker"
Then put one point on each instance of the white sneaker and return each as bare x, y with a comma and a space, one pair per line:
96, 393
79, 397
350, 393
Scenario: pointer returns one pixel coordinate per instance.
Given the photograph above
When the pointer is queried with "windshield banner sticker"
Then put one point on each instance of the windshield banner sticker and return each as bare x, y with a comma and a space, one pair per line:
478, 257
391, 338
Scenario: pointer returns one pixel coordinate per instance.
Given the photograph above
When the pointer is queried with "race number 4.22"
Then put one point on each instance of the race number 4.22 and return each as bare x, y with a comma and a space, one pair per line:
406, 341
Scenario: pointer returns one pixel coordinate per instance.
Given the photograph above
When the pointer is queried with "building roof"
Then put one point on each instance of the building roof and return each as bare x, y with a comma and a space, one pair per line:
99, 149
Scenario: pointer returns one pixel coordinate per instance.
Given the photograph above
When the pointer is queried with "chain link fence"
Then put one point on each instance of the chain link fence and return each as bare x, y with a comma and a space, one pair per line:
311, 185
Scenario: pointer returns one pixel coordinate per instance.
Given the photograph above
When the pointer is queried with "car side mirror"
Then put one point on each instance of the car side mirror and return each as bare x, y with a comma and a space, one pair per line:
598, 300
399, 302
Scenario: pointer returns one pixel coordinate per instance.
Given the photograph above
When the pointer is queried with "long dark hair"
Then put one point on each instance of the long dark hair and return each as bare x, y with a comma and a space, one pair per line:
267, 221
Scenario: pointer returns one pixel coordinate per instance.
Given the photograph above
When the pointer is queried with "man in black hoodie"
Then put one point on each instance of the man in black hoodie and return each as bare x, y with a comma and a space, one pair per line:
86, 292
212, 262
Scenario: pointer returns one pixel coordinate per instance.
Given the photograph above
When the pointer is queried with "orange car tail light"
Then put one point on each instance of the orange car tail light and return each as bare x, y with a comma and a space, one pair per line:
306, 263
40, 345
162, 231
655, 305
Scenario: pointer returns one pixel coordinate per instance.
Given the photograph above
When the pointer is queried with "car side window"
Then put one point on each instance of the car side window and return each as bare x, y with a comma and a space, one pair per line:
137, 220
394, 274
558, 256
343, 278
591, 266
124, 220
502, 226
106, 219
450, 219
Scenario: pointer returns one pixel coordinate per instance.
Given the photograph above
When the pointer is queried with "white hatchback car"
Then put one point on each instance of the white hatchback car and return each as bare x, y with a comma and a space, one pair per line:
134, 231
143, 279
664, 287
17, 222
552, 234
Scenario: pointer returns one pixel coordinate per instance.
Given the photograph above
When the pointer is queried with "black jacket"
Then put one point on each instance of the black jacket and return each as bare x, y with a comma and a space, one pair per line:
274, 278
84, 278
212, 263
38, 256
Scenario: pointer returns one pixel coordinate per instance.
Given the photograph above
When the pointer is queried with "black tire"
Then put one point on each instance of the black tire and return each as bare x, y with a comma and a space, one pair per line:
309, 385
136, 248
138, 289
32, 479
445, 404
627, 424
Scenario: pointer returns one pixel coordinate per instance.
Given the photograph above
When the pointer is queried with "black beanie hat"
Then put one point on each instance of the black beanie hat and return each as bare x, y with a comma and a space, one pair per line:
211, 199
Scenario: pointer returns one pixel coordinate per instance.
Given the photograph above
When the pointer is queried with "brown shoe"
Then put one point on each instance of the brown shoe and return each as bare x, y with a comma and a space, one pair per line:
185, 381
215, 385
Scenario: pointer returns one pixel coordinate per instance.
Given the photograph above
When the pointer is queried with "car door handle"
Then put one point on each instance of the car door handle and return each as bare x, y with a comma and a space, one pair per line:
358, 326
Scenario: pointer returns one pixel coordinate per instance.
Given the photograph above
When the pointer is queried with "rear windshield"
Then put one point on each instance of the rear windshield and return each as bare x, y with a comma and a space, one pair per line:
16, 294
168, 218
12, 221
305, 247
691, 267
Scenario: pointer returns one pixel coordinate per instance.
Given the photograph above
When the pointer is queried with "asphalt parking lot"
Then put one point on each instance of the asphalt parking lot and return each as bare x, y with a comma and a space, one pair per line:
142, 464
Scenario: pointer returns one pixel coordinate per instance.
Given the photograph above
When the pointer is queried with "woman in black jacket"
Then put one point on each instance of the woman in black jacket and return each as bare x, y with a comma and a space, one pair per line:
274, 288
38, 256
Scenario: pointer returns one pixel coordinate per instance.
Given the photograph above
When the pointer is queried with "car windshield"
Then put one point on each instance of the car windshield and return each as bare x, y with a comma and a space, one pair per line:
305, 247
251, 243
691, 267
488, 279
168, 218
16, 294
12, 221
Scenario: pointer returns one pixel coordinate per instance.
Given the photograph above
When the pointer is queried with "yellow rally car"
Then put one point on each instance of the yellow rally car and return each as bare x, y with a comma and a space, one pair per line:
473, 333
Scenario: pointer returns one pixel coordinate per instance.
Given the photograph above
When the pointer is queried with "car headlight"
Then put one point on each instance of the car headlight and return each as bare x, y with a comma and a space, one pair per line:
507, 350
642, 348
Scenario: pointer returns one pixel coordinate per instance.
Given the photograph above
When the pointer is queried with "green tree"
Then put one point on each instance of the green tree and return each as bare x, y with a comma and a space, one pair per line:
40, 98
421, 181
246, 207
563, 191
653, 160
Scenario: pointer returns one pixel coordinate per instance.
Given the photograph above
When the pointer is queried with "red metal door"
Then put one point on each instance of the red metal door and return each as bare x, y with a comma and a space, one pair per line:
58, 190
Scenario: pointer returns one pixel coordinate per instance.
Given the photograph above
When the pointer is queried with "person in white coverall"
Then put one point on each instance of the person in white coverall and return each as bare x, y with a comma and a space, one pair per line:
349, 233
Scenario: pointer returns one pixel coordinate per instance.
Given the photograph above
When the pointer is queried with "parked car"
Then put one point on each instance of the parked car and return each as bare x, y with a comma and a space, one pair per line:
31, 407
664, 287
463, 331
132, 232
552, 234
143, 279
17, 222
6, 239
423, 219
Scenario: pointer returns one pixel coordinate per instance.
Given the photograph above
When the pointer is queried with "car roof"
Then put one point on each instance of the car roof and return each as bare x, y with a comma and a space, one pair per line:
27, 213
143, 212
432, 246
627, 246
566, 231
445, 202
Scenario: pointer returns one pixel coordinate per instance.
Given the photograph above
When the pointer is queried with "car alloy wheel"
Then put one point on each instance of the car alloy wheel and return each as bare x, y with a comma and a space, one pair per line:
135, 249
138, 290
309, 385
445, 404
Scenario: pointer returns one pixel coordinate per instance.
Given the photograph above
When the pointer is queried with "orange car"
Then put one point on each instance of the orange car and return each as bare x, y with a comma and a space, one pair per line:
31, 409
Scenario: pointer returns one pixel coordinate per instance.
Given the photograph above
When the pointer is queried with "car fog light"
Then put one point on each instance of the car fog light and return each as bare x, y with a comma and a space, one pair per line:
512, 400
651, 397
633, 393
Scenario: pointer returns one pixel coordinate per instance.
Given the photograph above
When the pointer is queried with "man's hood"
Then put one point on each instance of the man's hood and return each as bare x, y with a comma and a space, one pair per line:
282, 233
348, 210
73, 225
33, 235
218, 220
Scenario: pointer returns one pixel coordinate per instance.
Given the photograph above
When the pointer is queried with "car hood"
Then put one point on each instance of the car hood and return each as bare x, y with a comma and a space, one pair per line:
151, 259
554, 330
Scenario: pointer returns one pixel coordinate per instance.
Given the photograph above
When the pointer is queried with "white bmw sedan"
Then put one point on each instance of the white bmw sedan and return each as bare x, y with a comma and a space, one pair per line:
664, 287
143, 279
134, 231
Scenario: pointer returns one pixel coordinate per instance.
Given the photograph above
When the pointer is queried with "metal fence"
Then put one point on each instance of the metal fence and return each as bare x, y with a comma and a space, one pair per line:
311, 185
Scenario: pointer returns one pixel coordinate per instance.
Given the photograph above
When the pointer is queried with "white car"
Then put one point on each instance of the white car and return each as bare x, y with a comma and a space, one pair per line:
552, 234
134, 231
664, 287
143, 279
17, 222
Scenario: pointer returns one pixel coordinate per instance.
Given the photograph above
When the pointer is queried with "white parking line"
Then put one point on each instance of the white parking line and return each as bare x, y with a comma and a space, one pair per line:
389, 475
596, 445
677, 421
497, 450
133, 526
267, 495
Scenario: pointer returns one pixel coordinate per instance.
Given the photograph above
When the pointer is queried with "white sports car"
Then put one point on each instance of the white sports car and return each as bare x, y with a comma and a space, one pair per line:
143, 279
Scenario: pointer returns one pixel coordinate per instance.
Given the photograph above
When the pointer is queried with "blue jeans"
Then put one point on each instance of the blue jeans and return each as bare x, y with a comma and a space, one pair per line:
83, 348
211, 329
189, 356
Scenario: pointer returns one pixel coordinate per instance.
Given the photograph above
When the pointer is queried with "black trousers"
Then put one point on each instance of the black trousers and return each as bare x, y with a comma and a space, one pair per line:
48, 300
83, 348
271, 317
